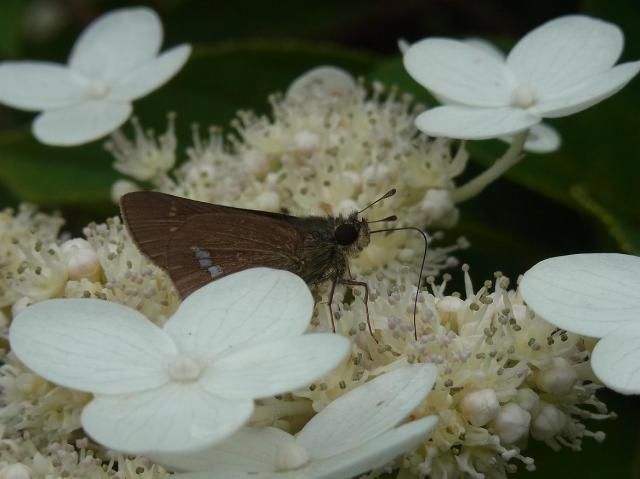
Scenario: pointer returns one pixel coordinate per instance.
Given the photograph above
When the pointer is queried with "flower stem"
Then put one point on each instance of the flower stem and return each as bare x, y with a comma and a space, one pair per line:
476, 185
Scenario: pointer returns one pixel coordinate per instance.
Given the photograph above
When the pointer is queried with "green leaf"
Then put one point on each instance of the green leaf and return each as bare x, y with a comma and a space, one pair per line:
11, 27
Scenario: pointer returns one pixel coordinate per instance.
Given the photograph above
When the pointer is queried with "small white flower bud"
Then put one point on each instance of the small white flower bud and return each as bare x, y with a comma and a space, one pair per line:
81, 259
256, 162
549, 422
271, 179
437, 204
480, 407
306, 141
267, 201
42, 465
345, 207
528, 399
373, 174
15, 471
121, 188
449, 307
406, 254
354, 178
322, 80
291, 456
523, 96
196, 173
559, 379
512, 423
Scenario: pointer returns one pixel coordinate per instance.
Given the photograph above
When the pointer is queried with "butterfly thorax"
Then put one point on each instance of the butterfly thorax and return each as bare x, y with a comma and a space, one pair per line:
328, 243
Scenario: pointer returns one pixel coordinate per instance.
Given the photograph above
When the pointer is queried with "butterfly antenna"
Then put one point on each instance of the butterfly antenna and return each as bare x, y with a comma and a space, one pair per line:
388, 194
424, 259
388, 218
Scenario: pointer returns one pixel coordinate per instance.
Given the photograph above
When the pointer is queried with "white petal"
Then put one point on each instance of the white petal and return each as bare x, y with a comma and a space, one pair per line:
474, 123
459, 73
276, 366
588, 294
176, 417
587, 93
375, 453
39, 86
249, 307
367, 411
92, 345
332, 80
564, 52
250, 450
542, 139
80, 123
116, 43
616, 359
151, 75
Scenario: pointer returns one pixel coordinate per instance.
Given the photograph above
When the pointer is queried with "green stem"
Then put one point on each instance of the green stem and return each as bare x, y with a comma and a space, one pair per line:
475, 186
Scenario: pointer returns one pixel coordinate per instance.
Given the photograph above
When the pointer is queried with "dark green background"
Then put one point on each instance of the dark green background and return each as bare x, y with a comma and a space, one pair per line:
584, 198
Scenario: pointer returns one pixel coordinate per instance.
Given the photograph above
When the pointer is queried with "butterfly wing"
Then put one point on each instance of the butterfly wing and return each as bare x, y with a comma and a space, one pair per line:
152, 218
212, 245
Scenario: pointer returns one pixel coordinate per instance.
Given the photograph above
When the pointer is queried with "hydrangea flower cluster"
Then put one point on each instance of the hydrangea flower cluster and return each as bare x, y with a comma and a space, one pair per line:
96, 341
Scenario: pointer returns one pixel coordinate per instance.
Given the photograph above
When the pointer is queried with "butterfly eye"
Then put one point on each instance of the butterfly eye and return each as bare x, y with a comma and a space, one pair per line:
346, 234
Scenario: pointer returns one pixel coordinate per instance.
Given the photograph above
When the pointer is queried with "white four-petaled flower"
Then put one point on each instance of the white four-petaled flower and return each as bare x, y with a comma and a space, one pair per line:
191, 383
596, 295
560, 68
114, 62
353, 434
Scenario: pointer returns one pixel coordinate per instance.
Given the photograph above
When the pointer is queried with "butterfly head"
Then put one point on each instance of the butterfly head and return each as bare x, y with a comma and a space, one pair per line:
352, 233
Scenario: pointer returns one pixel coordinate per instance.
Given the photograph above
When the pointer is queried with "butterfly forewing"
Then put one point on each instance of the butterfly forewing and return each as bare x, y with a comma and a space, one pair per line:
152, 218
209, 246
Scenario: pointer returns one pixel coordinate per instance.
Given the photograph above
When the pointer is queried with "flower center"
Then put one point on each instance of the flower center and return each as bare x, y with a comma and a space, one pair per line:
523, 96
185, 369
291, 456
98, 89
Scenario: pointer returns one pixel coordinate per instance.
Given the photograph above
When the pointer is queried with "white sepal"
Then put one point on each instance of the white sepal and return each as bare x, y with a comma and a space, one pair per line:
92, 345
565, 51
80, 123
588, 294
375, 453
588, 93
367, 411
245, 308
276, 366
459, 73
249, 449
151, 75
174, 418
39, 86
616, 359
116, 43
454, 121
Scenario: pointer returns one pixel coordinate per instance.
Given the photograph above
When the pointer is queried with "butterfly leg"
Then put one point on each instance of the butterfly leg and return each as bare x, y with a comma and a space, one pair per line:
350, 282
349, 271
330, 303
